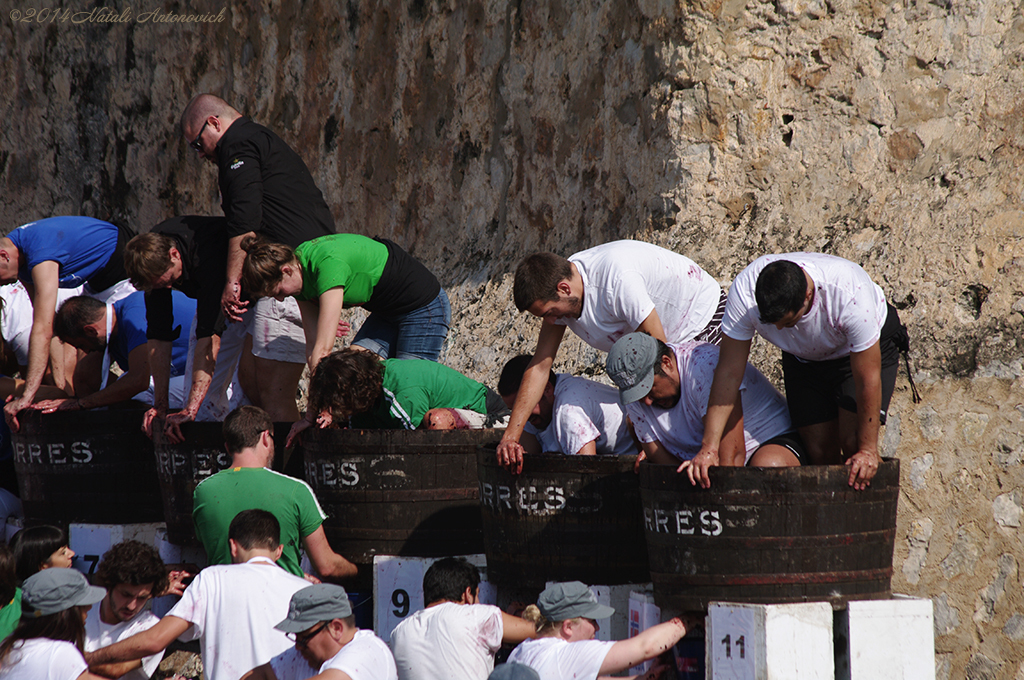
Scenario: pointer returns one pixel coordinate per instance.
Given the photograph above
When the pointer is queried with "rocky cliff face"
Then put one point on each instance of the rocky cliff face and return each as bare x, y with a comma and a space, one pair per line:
475, 132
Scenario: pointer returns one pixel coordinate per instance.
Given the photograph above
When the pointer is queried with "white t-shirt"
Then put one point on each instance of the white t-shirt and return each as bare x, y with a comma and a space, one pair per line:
291, 665
585, 411
680, 429
99, 634
448, 640
233, 609
16, 316
44, 659
846, 315
624, 281
365, 657
555, 659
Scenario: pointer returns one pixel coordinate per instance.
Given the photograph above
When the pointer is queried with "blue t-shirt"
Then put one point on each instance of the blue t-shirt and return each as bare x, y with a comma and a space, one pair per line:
130, 313
80, 245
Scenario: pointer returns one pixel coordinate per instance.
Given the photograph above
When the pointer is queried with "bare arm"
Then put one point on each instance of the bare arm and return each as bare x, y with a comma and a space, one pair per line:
124, 388
331, 304
148, 642
647, 645
514, 629
231, 299
725, 389
203, 364
329, 564
510, 452
44, 298
652, 326
867, 376
264, 672
588, 449
658, 454
160, 367
116, 670
731, 451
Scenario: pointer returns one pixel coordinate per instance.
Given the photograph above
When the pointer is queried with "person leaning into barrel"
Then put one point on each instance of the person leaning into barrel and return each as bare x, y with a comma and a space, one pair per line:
354, 388
840, 343
409, 311
187, 253
566, 619
48, 642
665, 391
116, 332
574, 415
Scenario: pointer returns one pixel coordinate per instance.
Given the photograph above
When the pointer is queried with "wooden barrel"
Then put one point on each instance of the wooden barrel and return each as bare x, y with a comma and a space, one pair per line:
564, 518
182, 466
95, 467
397, 492
769, 535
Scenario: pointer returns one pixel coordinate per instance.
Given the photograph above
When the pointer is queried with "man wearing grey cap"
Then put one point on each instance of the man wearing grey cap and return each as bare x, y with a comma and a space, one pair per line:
566, 618
47, 644
230, 608
665, 388
321, 623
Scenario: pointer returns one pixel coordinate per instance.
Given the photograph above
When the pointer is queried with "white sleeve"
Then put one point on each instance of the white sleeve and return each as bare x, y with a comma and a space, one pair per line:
190, 608
631, 303
740, 304
67, 663
574, 428
583, 659
491, 626
641, 425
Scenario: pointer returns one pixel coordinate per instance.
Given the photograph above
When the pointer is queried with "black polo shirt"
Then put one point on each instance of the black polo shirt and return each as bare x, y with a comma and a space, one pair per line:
203, 244
266, 188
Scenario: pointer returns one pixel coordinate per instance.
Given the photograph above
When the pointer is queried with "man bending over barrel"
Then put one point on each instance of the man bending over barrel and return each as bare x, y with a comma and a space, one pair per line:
355, 388
574, 415
602, 294
249, 483
665, 388
116, 332
840, 344
59, 252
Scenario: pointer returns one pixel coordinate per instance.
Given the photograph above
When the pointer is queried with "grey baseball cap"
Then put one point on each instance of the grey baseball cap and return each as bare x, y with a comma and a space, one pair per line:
630, 365
564, 601
513, 671
310, 606
56, 589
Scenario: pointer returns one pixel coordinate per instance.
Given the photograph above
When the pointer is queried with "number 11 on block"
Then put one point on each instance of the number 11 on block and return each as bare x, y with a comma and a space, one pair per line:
732, 630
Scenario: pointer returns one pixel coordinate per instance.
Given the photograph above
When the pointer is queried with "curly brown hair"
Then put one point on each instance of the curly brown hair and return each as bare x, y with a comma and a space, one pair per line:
345, 383
134, 563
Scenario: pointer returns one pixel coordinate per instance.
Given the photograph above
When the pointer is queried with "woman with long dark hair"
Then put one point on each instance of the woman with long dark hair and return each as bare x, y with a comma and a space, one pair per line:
38, 548
49, 641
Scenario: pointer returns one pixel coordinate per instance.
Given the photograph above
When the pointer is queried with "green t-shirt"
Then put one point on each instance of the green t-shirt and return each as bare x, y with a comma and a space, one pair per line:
220, 497
414, 386
350, 261
10, 615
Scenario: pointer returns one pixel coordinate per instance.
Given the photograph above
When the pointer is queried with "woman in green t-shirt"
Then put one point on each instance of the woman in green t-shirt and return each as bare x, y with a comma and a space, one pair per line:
409, 311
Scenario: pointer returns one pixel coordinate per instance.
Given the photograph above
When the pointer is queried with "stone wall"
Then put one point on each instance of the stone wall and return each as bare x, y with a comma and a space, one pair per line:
475, 132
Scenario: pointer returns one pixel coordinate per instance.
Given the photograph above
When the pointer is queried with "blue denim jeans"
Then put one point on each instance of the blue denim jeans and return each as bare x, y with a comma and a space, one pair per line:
420, 334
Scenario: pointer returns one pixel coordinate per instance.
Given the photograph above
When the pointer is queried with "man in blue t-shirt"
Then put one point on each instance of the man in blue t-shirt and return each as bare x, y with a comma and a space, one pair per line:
58, 252
116, 333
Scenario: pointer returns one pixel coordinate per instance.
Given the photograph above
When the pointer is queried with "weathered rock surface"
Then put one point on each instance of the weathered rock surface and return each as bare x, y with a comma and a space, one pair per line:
889, 133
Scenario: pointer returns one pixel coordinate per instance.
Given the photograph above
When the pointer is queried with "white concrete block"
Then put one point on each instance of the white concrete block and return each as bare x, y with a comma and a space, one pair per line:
886, 640
172, 553
398, 589
643, 613
770, 642
91, 541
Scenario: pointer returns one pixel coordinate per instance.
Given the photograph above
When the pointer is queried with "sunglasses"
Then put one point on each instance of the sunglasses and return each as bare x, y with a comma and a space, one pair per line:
303, 639
195, 143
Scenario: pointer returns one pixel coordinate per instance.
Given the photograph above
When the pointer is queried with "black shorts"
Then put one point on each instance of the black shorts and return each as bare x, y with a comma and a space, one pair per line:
816, 390
790, 440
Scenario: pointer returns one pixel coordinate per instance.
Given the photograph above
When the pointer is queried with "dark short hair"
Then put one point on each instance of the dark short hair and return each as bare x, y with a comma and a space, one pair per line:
512, 375
255, 529
780, 290
447, 579
133, 563
346, 382
33, 546
663, 351
75, 314
537, 278
243, 427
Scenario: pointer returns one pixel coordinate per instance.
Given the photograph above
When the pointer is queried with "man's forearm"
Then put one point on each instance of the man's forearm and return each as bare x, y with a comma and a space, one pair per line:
160, 365
203, 365
123, 389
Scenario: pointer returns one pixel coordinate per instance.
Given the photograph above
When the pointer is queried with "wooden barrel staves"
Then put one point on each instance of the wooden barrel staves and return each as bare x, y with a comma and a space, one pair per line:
94, 467
182, 466
397, 492
564, 518
769, 535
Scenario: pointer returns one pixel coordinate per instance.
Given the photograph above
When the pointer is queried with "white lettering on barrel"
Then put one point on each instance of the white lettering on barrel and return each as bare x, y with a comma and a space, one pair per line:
487, 494
648, 523
660, 520
80, 452
19, 452
555, 498
683, 519
504, 494
349, 474
35, 453
56, 454
710, 525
